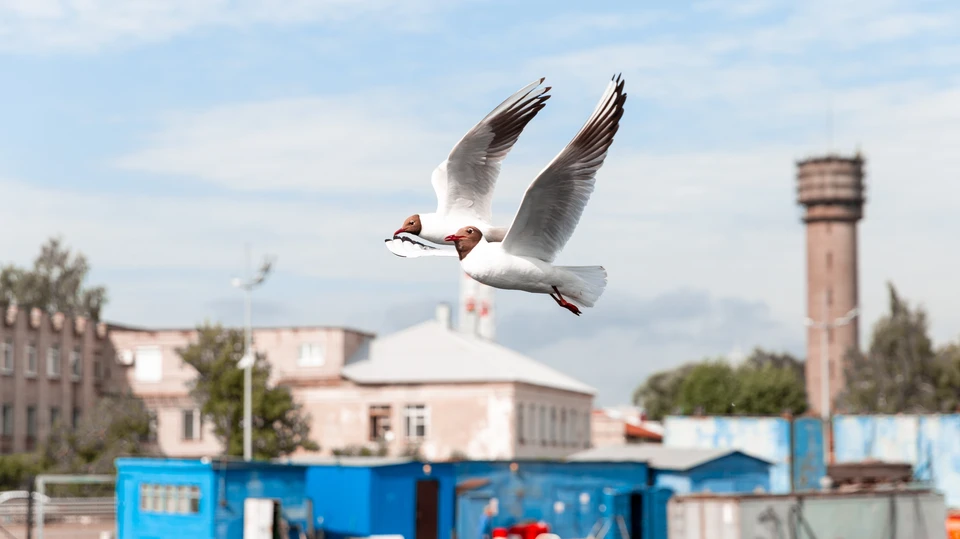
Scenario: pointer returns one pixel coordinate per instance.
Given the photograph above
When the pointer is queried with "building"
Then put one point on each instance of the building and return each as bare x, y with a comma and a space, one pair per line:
686, 470
831, 190
429, 388
626, 424
450, 393
300, 357
53, 368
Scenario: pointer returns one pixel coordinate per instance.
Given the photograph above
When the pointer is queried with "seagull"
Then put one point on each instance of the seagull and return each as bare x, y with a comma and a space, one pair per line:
464, 182
548, 215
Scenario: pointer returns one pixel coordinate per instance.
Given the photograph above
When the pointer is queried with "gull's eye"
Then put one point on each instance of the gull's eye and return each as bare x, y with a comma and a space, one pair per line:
469, 231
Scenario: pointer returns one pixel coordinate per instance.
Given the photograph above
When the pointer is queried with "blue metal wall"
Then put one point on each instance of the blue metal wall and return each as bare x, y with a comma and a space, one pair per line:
931, 443
342, 499
766, 437
809, 464
572, 498
734, 473
283, 482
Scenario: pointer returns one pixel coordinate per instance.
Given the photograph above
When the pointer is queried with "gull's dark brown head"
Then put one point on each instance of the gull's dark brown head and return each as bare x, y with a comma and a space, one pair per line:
411, 225
465, 240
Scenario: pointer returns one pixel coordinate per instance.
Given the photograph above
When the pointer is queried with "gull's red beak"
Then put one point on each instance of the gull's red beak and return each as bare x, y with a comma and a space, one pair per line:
453, 237
398, 232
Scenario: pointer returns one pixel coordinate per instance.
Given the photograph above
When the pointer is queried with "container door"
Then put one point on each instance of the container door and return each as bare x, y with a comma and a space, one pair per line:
428, 510
616, 514
654, 521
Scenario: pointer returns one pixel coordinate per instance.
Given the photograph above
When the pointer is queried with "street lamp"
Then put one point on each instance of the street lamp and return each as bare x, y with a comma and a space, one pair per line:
248, 359
825, 326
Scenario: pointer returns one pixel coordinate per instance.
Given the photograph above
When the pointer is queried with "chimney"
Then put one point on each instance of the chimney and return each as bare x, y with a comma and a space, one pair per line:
443, 315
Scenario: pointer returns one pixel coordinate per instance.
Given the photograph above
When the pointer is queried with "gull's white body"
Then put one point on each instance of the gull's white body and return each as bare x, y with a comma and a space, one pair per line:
548, 215
490, 264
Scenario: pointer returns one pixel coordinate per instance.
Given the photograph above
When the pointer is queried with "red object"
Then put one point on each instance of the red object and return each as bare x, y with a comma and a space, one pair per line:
499, 532
529, 531
470, 305
484, 309
953, 526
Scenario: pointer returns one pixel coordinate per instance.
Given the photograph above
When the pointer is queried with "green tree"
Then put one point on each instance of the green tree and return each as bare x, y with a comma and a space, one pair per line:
711, 388
760, 358
947, 381
660, 393
770, 389
54, 284
279, 426
119, 425
899, 372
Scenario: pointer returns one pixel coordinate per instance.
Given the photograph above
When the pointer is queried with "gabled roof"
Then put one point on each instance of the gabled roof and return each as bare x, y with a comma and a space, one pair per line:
658, 456
431, 353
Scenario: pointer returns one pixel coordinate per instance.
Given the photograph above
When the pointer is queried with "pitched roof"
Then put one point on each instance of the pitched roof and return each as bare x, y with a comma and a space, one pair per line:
657, 456
431, 353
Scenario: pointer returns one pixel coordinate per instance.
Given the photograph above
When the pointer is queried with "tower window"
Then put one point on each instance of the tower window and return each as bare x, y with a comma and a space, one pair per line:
829, 260
829, 296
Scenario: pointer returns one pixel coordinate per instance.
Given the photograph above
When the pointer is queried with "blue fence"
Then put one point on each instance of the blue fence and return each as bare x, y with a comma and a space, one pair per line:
931, 443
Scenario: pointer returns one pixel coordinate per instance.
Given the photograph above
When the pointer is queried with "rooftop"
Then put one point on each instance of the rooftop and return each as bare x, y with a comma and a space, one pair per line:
431, 352
657, 456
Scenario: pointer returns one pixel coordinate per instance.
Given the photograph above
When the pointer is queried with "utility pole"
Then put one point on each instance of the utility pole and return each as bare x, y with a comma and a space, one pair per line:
249, 358
825, 325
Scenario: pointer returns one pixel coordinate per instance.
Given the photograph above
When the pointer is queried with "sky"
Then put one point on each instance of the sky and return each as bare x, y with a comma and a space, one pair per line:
160, 138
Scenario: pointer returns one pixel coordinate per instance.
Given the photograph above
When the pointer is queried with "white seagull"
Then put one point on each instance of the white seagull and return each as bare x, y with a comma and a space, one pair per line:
548, 215
464, 182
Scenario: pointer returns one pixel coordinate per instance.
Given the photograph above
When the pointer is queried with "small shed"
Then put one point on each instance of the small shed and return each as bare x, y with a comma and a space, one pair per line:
689, 470
576, 499
179, 498
361, 497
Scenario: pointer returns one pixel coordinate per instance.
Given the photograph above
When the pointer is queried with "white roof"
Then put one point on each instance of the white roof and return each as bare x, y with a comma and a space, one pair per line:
431, 353
656, 456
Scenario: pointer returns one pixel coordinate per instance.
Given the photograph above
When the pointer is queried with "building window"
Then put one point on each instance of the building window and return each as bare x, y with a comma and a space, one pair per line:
532, 424
311, 355
586, 428
6, 350
415, 422
7, 420
97, 365
189, 425
829, 260
75, 421
829, 295
575, 428
31, 358
564, 435
31, 421
54, 416
379, 422
76, 363
520, 430
148, 364
543, 425
175, 499
53, 361
553, 426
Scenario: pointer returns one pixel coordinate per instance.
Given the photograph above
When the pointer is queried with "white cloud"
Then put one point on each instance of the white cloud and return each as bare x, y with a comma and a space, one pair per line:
89, 25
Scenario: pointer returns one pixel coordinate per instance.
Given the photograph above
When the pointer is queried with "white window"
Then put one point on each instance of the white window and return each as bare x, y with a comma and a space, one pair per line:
532, 424
415, 421
520, 430
543, 424
175, 499
192, 425
7, 427
311, 355
53, 361
575, 435
6, 351
76, 363
31, 358
148, 364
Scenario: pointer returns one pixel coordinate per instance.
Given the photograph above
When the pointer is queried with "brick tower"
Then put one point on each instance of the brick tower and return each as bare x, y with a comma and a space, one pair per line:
831, 189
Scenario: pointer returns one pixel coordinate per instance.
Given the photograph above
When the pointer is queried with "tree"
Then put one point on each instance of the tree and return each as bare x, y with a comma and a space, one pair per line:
660, 393
760, 358
119, 425
711, 388
947, 381
54, 284
279, 426
899, 372
770, 389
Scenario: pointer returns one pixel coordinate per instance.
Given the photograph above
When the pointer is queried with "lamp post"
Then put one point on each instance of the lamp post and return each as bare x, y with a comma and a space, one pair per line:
824, 326
248, 359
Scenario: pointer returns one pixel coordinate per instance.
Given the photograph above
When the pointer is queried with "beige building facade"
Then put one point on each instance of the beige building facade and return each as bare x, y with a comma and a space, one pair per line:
430, 388
53, 368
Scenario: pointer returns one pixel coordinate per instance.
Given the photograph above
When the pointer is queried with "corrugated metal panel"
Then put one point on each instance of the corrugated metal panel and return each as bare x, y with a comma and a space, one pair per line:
891, 515
927, 442
809, 466
768, 438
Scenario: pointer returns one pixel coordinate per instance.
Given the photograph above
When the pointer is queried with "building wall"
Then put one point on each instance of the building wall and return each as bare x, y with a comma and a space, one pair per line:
46, 389
607, 430
566, 412
162, 379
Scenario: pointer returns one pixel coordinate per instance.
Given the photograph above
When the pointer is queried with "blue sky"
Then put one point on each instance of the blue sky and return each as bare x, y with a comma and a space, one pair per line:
160, 137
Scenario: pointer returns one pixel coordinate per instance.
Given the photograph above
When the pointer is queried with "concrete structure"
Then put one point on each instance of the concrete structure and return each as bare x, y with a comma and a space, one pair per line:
831, 189
428, 387
204, 499
689, 470
53, 368
625, 424
476, 316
